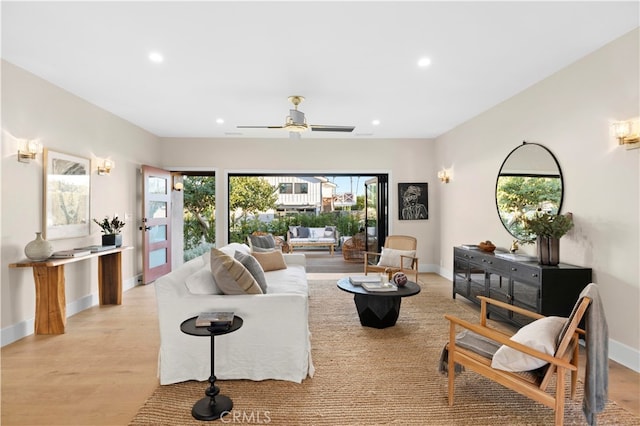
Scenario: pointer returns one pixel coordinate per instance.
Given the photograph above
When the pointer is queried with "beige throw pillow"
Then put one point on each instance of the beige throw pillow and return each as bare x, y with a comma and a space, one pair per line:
391, 257
231, 277
270, 261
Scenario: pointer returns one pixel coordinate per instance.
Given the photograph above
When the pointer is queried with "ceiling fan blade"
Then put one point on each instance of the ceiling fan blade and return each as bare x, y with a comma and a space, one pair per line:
326, 128
260, 127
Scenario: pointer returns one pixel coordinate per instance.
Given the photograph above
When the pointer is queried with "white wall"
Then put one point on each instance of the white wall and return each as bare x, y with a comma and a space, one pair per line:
406, 160
571, 114
33, 108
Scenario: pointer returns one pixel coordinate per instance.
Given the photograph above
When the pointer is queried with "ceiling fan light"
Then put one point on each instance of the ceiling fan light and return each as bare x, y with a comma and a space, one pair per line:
296, 127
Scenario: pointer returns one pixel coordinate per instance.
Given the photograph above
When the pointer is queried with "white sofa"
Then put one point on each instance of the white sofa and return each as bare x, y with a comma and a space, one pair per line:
273, 343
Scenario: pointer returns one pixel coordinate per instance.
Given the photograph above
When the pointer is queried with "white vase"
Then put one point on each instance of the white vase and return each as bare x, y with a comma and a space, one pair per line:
38, 249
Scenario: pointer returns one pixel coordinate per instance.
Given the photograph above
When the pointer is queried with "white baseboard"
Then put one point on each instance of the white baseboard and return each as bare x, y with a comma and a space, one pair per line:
25, 328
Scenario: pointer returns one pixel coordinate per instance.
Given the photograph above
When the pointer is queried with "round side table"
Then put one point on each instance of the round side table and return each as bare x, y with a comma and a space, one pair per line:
213, 406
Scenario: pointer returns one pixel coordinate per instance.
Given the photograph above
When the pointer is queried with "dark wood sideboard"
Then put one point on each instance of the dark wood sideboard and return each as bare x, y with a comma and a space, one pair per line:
548, 290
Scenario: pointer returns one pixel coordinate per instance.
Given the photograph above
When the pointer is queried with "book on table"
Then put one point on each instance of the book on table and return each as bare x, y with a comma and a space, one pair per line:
360, 279
216, 319
379, 287
65, 254
96, 248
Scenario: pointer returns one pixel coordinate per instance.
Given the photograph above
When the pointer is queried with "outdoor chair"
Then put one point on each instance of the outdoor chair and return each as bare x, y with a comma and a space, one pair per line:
398, 255
532, 363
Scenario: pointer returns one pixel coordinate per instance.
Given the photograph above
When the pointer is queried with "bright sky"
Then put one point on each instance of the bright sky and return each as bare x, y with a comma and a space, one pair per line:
353, 184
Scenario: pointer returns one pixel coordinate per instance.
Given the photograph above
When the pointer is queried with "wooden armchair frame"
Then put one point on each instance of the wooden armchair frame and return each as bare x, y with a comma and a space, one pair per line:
527, 384
397, 242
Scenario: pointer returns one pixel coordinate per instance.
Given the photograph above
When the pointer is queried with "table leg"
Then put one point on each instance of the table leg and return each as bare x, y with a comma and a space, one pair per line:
377, 311
110, 279
214, 405
51, 308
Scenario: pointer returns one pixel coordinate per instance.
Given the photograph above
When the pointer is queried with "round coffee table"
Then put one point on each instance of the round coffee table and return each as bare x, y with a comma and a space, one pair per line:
378, 309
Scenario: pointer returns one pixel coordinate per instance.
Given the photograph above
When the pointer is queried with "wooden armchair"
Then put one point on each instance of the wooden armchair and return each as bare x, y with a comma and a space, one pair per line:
531, 384
398, 255
279, 242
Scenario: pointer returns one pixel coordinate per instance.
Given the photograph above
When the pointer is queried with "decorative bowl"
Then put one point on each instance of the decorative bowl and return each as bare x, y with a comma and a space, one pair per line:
487, 246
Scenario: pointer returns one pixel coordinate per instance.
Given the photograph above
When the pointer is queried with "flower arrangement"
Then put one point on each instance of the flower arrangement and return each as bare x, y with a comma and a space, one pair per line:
110, 226
548, 224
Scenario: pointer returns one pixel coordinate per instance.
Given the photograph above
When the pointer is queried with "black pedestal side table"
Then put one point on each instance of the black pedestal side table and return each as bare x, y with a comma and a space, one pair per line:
213, 406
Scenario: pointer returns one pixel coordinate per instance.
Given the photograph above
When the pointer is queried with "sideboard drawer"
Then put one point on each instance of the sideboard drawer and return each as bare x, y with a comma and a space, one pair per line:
525, 273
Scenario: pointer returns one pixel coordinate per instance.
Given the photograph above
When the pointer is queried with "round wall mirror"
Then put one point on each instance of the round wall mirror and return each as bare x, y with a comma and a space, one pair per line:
529, 180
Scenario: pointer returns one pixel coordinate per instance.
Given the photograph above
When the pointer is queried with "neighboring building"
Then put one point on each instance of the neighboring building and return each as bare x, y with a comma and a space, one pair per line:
297, 194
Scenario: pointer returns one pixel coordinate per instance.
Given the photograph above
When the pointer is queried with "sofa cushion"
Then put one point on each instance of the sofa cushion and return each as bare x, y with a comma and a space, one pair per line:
262, 241
254, 268
202, 282
330, 232
294, 231
391, 257
303, 232
271, 261
542, 335
231, 276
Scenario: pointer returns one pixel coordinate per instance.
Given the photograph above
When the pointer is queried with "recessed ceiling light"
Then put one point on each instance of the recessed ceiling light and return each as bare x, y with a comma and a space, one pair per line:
219, 121
375, 122
156, 57
424, 62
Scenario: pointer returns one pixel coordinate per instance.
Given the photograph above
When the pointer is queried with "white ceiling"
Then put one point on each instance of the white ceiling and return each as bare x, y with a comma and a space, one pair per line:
353, 61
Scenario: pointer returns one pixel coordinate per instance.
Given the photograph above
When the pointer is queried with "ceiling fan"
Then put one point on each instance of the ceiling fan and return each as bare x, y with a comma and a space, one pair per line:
296, 123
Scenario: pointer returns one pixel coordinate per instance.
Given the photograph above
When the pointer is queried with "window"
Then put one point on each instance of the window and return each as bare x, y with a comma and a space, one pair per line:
286, 188
302, 188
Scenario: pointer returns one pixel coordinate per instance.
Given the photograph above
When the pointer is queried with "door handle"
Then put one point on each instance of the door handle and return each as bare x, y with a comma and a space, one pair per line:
145, 228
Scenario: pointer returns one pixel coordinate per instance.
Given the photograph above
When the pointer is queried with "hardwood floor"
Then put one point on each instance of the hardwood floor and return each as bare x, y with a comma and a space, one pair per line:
104, 367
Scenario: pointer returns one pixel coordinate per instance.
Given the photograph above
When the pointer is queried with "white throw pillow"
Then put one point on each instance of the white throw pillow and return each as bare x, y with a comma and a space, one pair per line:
202, 282
541, 335
391, 257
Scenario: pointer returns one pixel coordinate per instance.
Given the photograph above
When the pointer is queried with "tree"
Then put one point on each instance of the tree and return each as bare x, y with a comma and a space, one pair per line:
249, 195
199, 210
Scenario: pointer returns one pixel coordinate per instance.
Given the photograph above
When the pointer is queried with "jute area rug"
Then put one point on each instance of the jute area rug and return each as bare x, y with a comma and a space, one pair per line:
367, 376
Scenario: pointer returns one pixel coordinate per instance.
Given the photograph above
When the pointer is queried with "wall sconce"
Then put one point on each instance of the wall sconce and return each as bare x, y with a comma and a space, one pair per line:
627, 133
28, 149
443, 175
177, 182
105, 169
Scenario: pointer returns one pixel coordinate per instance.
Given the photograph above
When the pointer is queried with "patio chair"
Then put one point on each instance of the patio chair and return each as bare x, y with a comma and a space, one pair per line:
398, 255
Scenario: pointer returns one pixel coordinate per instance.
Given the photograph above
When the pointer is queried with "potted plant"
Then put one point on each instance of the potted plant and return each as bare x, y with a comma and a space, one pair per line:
111, 230
548, 228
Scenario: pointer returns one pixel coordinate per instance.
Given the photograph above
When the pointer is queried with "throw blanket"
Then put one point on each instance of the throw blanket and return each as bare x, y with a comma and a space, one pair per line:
596, 386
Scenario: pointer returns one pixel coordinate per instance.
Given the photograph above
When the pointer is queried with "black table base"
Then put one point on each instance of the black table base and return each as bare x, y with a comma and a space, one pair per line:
377, 312
207, 409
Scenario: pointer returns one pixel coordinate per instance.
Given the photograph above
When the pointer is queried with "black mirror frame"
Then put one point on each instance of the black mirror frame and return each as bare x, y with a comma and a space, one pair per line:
495, 192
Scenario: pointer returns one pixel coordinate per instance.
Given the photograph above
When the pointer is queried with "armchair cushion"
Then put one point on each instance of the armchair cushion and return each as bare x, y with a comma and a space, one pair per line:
392, 258
231, 276
254, 268
263, 241
271, 261
541, 334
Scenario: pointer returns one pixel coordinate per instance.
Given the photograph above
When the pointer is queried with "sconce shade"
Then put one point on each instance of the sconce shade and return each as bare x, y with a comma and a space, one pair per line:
28, 149
626, 133
443, 175
106, 167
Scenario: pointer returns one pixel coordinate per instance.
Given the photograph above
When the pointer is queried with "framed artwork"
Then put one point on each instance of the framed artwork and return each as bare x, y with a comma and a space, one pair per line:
413, 201
67, 195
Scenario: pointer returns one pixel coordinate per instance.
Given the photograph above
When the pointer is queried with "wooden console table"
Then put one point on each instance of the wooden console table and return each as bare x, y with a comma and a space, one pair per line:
51, 315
